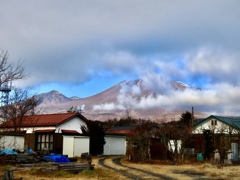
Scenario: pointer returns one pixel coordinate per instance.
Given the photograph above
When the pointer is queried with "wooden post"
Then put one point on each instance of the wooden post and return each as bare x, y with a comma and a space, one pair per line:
8, 175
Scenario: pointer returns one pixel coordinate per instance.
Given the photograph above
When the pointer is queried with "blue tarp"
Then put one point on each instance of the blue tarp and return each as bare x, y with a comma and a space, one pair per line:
8, 151
57, 158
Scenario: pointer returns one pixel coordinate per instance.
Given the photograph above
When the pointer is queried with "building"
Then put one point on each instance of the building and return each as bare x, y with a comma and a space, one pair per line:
57, 133
218, 124
224, 134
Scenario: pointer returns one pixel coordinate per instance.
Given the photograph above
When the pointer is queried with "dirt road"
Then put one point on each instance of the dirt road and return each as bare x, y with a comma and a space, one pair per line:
130, 172
141, 173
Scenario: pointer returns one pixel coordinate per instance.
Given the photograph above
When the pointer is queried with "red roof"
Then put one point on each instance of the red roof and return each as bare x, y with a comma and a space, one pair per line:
121, 130
43, 120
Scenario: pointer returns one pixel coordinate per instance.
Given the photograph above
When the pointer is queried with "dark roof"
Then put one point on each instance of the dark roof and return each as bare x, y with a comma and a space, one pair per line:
116, 134
45, 131
229, 120
69, 132
43, 120
199, 121
122, 128
13, 133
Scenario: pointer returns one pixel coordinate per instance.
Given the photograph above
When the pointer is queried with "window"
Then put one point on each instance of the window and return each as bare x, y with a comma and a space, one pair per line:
44, 141
214, 122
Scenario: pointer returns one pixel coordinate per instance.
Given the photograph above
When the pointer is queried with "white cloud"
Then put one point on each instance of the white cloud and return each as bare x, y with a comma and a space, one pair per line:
219, 65
221, 98
107, 106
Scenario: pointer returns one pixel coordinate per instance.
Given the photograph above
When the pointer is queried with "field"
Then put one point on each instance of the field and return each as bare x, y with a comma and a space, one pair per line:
190, 171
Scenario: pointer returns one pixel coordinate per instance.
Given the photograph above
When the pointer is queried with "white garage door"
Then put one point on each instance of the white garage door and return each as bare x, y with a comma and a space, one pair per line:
81, 145
75, 145
115, 145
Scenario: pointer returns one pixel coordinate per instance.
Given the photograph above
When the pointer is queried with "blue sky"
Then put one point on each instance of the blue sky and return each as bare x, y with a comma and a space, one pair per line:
80, 48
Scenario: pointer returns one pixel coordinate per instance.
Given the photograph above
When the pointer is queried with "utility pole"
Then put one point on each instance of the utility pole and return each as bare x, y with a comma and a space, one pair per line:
192, 115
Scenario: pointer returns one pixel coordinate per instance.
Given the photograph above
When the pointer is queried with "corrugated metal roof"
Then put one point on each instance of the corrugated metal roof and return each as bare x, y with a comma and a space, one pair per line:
43, 120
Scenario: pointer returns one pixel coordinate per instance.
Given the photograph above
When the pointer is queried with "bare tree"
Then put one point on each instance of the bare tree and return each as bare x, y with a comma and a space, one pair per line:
78, 109
8, 71
170, 133
139, 142
21, 103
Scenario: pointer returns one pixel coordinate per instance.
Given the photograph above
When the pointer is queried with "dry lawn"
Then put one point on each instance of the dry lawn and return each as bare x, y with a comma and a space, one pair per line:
190, 171
183, 171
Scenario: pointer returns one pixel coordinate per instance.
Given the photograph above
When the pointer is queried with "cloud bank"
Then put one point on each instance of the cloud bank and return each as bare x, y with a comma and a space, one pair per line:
77, 42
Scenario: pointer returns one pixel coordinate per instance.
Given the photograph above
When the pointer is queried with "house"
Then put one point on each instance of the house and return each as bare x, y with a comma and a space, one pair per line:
58, 133
218, 124
225, 134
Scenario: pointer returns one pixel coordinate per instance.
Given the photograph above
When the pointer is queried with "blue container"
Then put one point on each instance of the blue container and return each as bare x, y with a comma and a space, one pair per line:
200, 157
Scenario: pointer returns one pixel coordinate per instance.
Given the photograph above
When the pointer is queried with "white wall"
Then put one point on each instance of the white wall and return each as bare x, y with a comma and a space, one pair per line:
173, 144
75, 145
68, 145
73, 124
81, 145
219, 128
12, 142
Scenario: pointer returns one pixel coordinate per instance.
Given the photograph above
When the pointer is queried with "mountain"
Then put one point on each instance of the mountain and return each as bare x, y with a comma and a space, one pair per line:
52, 97
117, 101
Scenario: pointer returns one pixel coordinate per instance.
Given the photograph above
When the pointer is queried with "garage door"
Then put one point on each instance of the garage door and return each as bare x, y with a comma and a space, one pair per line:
115, 146
75, 145
81, 145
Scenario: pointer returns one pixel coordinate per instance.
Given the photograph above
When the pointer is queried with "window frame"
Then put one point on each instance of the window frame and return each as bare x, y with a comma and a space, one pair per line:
44, 141
214, 122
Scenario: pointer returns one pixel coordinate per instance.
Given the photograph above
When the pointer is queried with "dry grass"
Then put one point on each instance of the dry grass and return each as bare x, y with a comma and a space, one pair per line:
32, 174
179, 171
190, 171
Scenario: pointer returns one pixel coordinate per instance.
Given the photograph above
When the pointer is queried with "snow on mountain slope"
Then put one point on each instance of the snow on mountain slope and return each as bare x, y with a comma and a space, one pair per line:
113, 102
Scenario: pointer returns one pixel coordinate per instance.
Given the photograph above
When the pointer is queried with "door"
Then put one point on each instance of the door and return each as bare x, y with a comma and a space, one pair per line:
115, 145
81, 145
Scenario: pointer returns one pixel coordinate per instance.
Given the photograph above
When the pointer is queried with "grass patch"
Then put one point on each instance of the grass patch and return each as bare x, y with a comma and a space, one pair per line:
88, 172
62, 174
5, 167
96, 173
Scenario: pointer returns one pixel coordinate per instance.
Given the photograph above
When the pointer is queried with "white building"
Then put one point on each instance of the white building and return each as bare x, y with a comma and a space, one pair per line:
57, 133
218, 124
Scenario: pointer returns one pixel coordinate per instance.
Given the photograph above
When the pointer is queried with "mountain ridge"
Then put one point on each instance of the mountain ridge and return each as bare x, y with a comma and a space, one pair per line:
110, 103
